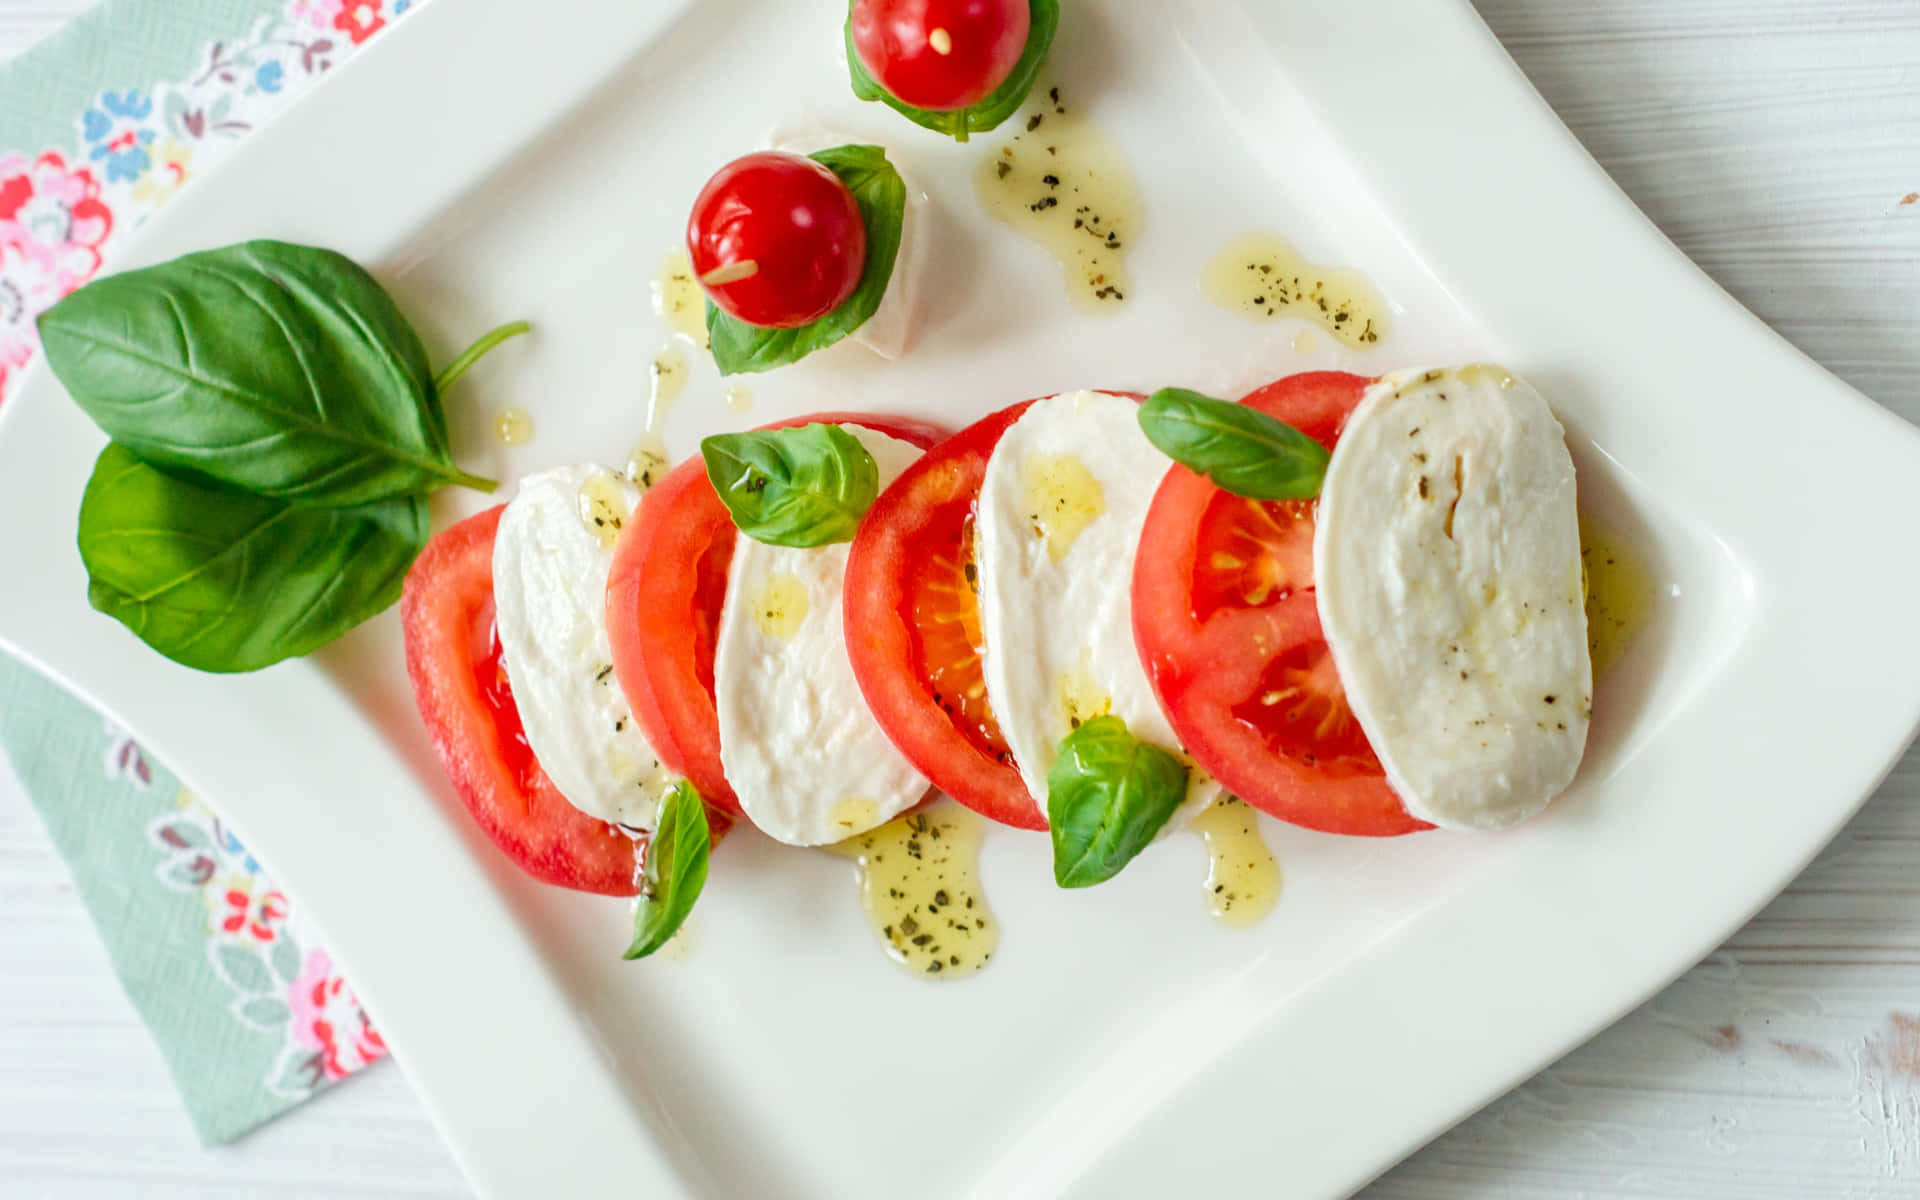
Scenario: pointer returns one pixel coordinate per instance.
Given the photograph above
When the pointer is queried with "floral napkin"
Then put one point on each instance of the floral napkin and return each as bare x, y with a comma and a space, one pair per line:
99, 126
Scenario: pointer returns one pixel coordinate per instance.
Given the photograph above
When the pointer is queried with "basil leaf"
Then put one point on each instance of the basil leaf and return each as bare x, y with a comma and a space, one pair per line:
882, 196
803, 486
676, 870
1107, 795
220, 580
998, 105
284, 370
1241, 449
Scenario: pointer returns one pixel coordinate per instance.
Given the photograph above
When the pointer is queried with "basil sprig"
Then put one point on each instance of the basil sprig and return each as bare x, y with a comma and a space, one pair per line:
676, 870
1241, 449
276, 428
881, 196
226, 581
1108, 794
998, 105
282, 370
802, 486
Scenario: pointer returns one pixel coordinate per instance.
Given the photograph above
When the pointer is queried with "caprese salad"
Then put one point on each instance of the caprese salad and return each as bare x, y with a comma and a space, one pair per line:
1355, 603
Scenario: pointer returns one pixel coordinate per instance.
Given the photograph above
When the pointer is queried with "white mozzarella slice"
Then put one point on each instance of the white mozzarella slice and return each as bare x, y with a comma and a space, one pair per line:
890, 329
802, 751
1059, 518
1447, 568
550, 563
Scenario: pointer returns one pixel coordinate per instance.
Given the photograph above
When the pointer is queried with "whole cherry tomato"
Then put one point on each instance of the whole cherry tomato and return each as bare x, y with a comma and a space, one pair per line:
777, 240
940, 54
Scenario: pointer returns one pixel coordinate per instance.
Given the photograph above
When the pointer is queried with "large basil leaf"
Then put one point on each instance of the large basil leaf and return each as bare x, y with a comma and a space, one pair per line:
676, 870
877, 188
999, 104
1107, 796
224, 581
283, 370
804, 486
1241, 449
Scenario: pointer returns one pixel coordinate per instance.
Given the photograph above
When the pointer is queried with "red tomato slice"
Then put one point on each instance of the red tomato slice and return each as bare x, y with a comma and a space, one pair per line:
460, 686
913, 626
1225, 619
664, 596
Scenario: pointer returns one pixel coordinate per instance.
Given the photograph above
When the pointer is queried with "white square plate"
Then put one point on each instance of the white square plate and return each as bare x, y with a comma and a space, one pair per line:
495, 165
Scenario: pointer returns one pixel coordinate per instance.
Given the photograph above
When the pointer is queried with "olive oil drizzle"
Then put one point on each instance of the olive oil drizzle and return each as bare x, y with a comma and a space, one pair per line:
678, 300
1620, 593
1243, 877
1261, 276
920, 889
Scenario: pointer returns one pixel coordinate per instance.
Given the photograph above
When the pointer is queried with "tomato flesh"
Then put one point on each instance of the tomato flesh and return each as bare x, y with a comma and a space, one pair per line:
913, 626
665, 593
941, 55
1227, 626
777, 240
461, 689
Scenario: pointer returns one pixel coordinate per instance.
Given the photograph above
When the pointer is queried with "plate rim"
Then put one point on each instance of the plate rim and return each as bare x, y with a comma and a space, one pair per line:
636, 1142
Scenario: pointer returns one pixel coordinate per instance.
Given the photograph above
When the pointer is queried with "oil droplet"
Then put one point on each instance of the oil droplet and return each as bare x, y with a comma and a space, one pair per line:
1304, 341
680, 944
1261, 276
1081, 696
668, 377
1620, 593
1062, 499
920, 888
647, 461
513, 427
780, 606
603, 507
855, 814
1243, 878
739, 398
1063, 185
678, 300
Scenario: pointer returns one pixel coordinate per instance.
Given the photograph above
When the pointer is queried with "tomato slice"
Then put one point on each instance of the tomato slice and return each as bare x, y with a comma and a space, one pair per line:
1225, 619
664, 595
460, 686
913, 626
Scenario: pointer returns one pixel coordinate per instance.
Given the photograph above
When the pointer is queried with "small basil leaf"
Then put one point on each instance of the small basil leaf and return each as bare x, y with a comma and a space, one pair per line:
988, 113
220, 580
882, 197
283, 370
676, 870
802, 486
1241, 449
1107, 796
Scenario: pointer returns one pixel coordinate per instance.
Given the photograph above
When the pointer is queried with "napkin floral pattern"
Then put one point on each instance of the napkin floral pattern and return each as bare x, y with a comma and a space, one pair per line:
243, 1000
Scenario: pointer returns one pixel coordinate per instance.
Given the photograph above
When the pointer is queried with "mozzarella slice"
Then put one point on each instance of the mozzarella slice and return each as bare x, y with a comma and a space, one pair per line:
804, 754
1059, 518
1447, 568
550, 562
889, 330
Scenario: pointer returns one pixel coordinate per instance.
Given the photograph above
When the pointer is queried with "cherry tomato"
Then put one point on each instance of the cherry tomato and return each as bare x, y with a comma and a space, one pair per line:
777, 240
665, 592
460, 687
941, 55
1226, 622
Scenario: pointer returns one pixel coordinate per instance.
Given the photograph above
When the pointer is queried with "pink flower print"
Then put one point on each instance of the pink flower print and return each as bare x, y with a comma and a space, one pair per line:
52, 227
317, 13
329, 1021
125, 760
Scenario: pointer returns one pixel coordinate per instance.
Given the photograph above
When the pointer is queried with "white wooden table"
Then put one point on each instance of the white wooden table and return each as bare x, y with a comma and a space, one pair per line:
1774, 140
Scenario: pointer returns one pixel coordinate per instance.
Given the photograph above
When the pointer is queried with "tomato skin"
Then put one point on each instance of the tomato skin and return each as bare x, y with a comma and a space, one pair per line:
665, 593
926, 511
795, 221
898, 41
1201, 656
446, 608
